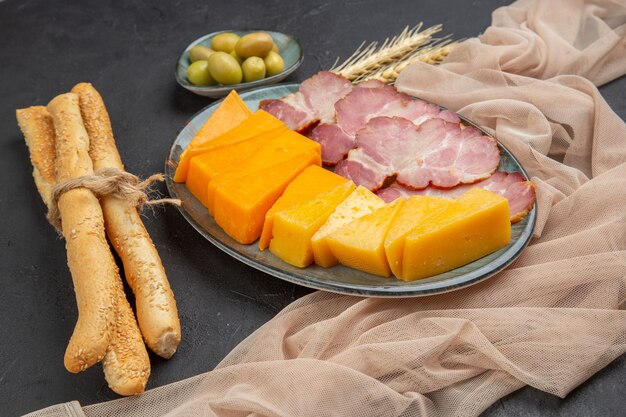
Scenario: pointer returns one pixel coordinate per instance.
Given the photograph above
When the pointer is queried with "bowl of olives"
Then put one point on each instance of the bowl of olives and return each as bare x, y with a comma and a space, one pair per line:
219, 62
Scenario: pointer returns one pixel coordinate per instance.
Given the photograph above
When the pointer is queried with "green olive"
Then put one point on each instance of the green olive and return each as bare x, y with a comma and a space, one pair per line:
198, 73
200, 53
254, 44
253, 69
234, 55
224, 68
224, 42
274, 64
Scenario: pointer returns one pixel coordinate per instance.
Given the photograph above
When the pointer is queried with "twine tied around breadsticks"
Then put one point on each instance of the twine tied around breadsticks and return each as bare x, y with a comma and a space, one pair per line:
108, 182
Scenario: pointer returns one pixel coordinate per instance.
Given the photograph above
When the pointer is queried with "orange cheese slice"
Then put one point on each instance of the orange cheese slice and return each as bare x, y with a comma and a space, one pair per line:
417, 209
284, 146
475, 225
359, 203
229, 114
203, 167
258, 123
294, 227
312, 181
241, 203
360, 243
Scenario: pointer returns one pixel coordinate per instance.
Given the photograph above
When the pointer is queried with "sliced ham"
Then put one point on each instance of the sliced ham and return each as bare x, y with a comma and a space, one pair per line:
335, 142
313, 103
368, 100
448, 116
437, 153
289, 110
365, 103
513, 186
330, 109
322, 91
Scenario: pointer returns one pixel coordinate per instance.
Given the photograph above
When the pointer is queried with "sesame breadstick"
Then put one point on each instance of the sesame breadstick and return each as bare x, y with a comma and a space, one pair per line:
156, 307
126, 363
90, 261
38, 129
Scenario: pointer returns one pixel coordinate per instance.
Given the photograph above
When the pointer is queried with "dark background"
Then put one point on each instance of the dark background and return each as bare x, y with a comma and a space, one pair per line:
128, 50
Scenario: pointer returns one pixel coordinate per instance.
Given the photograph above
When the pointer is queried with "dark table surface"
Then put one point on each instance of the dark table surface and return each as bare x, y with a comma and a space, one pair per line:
128, 49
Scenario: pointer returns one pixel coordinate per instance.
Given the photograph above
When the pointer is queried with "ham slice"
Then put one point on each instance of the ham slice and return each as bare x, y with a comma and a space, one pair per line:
313, 103
437, 152
369, 100
322, 91
335, 142
513, 186
365, 103
292, 111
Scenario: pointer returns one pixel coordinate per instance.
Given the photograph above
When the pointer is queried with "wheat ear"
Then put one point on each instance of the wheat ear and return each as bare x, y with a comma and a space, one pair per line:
433, 54
393, 55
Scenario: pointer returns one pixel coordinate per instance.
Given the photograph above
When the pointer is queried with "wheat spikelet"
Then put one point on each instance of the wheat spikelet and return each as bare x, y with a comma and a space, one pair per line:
385, 62
433, 54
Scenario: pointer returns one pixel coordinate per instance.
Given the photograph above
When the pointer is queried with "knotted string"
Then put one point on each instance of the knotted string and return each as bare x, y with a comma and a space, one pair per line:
108, 182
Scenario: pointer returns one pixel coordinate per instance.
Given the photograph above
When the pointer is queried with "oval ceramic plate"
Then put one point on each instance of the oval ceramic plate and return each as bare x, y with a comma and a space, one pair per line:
288, 47
338, 278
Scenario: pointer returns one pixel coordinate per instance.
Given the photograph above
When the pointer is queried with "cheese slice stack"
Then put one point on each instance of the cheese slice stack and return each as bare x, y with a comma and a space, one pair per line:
418, 209
311, 182
256, 124
294, 227
359, 203
228, 115
242, 202
360, 243
284, 146
203, 167
473, 226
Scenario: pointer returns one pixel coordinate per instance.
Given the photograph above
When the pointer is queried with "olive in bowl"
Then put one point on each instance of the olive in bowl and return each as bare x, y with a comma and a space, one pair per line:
237, 59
